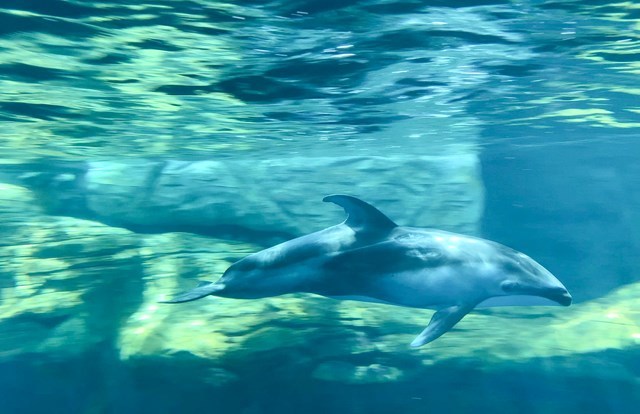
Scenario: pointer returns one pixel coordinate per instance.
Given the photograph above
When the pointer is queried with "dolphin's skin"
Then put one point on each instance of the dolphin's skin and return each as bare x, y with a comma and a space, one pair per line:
369, 258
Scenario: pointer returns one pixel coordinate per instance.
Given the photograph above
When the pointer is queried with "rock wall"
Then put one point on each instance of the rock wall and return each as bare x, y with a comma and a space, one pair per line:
272, 196
66, 284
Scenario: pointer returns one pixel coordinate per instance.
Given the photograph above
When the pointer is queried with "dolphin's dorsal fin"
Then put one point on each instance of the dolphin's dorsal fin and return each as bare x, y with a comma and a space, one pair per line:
362, 216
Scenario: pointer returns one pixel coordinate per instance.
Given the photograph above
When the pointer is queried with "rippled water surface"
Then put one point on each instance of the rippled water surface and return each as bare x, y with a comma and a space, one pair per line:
100, 79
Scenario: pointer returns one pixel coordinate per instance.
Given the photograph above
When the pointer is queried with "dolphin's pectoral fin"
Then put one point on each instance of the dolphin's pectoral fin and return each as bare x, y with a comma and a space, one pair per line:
361, 215
203, 289
441, 322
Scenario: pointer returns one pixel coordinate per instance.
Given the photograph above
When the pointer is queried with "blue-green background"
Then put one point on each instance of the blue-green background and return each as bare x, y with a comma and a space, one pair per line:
545, 95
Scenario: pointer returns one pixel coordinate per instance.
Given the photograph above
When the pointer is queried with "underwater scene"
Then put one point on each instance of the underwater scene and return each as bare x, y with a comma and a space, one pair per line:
165, 247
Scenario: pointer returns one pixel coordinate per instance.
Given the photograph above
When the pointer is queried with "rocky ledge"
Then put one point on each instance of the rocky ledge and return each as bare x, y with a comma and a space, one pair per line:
251, 198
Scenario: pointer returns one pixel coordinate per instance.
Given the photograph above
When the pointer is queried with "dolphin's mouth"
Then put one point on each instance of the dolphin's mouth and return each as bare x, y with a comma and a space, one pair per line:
559, 295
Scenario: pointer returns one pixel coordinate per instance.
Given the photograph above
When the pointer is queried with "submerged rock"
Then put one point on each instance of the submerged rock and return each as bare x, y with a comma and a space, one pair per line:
65, 282
254, 197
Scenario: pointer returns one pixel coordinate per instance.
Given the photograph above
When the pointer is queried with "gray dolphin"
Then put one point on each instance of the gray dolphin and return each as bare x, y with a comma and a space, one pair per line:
370, 258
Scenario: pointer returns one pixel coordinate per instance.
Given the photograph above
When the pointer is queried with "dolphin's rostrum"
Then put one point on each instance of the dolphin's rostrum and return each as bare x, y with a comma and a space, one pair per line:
370, 258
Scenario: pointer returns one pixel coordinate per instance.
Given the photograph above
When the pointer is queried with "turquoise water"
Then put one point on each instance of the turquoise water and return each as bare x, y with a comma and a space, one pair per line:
147, 146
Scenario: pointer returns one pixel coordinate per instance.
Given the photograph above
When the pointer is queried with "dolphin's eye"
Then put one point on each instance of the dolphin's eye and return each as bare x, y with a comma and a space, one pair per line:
510, 287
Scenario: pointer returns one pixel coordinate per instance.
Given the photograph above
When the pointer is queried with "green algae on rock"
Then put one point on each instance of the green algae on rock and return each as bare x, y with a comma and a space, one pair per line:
330, 333
51, 266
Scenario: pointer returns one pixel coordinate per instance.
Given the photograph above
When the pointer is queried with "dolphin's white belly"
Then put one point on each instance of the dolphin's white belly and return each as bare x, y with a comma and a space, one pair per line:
430, 288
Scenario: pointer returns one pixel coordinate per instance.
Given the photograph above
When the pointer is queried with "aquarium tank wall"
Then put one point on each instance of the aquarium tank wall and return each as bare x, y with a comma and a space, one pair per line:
146, 147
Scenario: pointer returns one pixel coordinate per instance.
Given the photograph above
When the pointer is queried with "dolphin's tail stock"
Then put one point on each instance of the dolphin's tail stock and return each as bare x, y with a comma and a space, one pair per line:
203, 289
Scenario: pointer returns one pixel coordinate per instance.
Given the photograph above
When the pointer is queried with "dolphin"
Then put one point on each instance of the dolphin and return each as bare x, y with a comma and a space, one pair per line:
370, 258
